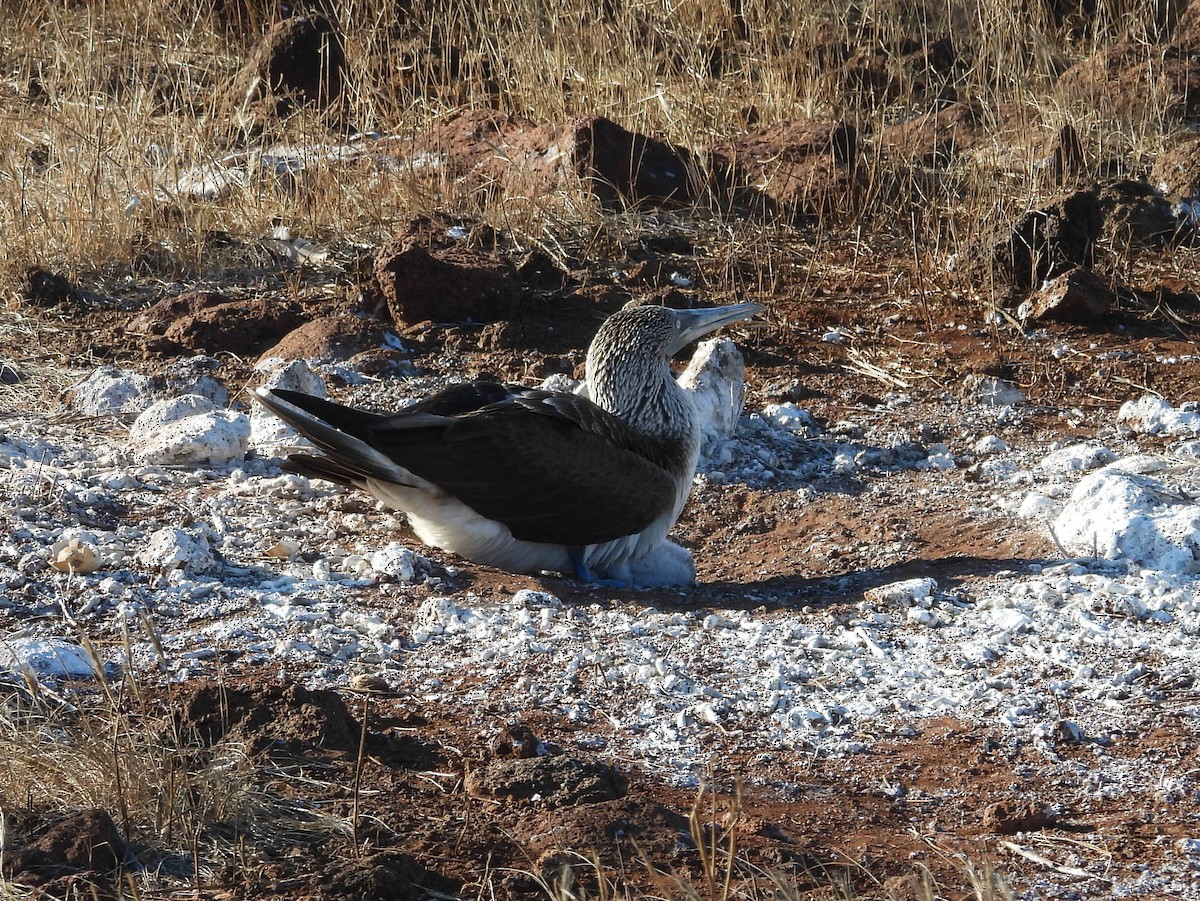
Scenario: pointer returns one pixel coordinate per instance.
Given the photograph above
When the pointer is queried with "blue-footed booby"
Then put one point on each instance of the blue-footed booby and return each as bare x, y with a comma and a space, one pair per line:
531, 480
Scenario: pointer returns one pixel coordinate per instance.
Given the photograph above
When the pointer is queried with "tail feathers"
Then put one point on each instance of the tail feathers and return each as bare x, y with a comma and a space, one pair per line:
345, 419
350, 458
312, 467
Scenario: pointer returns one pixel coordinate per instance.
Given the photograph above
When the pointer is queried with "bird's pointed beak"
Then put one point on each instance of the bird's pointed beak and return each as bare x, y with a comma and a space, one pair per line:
693, 324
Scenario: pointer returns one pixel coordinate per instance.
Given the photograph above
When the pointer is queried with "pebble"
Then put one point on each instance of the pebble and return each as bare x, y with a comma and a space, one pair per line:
397, 562
110, 390
174, 549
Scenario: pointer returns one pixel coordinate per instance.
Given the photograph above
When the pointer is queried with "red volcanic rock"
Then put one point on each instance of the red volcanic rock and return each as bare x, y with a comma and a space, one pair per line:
331, 339
242, 328
299, 62
453, 284
1076, 296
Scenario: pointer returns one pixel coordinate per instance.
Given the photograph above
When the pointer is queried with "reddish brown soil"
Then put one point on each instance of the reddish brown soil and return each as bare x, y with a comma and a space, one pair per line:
920, 803
939, 801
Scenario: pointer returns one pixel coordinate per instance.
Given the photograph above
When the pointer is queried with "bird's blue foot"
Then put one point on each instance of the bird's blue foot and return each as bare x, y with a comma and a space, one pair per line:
585, 575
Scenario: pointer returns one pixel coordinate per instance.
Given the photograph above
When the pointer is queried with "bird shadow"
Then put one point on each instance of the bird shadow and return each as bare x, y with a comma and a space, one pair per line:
786, 591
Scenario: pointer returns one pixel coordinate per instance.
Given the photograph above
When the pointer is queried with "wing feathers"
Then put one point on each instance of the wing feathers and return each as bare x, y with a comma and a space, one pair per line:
551, 466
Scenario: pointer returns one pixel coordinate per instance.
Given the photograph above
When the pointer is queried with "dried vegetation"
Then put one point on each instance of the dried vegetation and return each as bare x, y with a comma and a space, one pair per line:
104, 105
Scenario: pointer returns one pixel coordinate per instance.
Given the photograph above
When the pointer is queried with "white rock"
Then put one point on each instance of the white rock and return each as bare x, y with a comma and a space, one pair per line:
162, 412
291, 375
991, 444
1039, 507
1151, 415
194, 375
528, 598
396, 561
1124, 516
213, 438
110, 390
171, 548
1011, 620
939, 457
994, 392
716, 378
47, 657
907, 591
1077, 458
789, 416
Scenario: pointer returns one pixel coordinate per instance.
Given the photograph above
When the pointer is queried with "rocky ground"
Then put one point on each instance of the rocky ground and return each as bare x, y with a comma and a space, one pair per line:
887, 672
944, 634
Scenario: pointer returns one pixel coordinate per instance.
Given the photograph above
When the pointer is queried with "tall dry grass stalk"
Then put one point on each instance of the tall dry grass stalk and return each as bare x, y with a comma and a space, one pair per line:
103, 102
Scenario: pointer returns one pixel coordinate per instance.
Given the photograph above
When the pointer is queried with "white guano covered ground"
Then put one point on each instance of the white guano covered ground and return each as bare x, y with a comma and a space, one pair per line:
184, 526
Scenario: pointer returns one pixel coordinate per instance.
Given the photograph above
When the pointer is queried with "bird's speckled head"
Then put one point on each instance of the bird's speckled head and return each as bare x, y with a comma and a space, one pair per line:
629, 361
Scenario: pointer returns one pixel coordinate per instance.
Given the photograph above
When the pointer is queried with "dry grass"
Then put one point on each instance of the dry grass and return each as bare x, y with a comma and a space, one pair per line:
190, 812
103, 103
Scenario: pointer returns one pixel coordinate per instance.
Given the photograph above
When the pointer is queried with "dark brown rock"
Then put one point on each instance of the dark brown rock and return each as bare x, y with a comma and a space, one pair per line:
559, 781
299, 62
516, 740
1073, 15
610, 829
1135, 214
621, 165
277, 713
809, 167
243, 328
865, 80
1185, 38
329, 339
1050, 241
44, 288
1076, 296
86, 841
1009, 817
537, 270
1121, 74
1176, 171
455, 284
937, 138
156, 319
386, 876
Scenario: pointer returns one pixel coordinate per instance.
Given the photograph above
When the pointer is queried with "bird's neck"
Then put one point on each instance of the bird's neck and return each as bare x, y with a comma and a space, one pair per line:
645, 397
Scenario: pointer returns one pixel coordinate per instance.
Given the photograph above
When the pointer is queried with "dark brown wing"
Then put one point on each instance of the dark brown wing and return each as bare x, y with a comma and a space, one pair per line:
551, 466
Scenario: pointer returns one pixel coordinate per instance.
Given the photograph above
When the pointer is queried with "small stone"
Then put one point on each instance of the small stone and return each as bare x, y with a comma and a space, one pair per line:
395, 561
371, 683
907, 591
994, 392
172, 548
1075, 296
283, 550
991, 444
1010, 817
